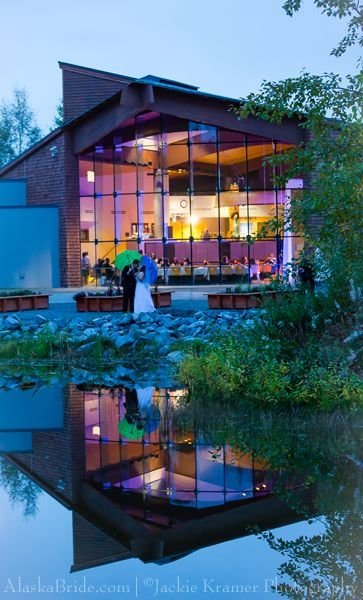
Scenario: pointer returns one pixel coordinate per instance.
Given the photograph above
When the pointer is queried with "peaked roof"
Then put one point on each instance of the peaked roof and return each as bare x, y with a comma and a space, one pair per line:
87, 91
94, 72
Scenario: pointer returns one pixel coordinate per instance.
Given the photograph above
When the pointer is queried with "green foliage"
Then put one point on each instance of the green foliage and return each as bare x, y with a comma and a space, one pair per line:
351, 9
21, 292
20, 489
58, 119
60, 350
18, 128
291, 356
329, 210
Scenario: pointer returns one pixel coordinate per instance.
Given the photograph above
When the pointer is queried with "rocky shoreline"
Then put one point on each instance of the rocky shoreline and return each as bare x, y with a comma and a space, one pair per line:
134, 348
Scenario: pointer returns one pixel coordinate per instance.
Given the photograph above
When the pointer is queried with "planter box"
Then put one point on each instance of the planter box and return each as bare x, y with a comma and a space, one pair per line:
115, 303
16, 303
240, 301
161, 299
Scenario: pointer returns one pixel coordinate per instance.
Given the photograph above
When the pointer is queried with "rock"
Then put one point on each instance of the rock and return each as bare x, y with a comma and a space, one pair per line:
353, 336
13, 322
145, 318
85, 348
175, 357
98, 321
121, 371
90, 332
41, 320
123, 319
52, 326
123, 340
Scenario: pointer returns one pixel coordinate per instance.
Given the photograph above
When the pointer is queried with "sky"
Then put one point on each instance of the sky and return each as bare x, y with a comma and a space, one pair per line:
226, 47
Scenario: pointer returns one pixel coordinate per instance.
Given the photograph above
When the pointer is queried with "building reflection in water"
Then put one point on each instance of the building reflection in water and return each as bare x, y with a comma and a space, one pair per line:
141, 482
157, 468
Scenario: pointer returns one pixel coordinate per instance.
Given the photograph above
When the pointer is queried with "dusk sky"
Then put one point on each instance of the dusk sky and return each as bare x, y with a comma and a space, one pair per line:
225, 47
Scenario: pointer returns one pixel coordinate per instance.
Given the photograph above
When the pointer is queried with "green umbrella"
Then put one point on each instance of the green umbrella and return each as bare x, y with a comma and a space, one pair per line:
130, 431
126, 258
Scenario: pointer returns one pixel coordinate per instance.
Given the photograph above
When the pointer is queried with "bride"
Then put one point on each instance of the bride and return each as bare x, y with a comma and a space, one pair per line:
143, 301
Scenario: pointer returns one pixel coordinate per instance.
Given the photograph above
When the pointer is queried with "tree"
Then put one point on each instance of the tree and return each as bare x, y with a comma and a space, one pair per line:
7, 152
18, 127
352, 9
330, 111
331, 115
21, 490
58, 119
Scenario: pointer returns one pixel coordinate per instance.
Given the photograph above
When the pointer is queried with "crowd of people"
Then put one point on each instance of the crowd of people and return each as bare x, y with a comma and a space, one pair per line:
105, 272
136, 288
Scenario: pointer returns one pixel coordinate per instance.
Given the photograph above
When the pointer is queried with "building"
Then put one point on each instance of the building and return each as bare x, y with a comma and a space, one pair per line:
157, 165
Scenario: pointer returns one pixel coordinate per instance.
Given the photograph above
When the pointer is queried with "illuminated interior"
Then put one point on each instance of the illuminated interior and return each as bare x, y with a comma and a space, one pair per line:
183, 192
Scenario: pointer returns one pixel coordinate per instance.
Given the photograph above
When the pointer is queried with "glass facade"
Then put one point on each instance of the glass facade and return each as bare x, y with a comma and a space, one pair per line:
197, 198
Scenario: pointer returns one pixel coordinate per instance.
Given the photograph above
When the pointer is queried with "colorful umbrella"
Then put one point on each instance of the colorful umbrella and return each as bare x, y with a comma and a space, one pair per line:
126, 258
130, 430
151, 270
149, 411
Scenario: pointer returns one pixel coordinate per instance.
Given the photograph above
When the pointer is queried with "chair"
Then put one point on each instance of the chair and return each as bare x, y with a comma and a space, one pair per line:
266, 271
187, 275
227, 272
241, 273
213, 273
199, 274
174, 275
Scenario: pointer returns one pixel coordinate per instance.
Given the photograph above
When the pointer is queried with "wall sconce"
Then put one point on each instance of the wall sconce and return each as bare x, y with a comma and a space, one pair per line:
53, 151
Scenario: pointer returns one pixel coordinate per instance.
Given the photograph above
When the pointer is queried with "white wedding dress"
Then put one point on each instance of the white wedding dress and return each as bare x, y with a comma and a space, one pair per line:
143, 301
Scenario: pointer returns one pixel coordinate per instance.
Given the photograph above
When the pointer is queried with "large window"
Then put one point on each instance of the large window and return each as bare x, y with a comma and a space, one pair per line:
198, 198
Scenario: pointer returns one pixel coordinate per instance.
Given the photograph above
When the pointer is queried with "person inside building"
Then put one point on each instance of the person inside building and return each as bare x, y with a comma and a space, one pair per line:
270, 259
108, 270
98, 269
85, 268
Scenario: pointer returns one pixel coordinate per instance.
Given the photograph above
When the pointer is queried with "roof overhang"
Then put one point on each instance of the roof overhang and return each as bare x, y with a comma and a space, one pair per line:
138, 97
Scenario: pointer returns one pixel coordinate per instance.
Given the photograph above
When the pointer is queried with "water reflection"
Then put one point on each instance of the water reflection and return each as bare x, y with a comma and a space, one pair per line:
138, 450
146, 476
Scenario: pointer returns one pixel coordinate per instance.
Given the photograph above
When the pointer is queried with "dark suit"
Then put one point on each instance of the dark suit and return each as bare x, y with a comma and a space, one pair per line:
128, 282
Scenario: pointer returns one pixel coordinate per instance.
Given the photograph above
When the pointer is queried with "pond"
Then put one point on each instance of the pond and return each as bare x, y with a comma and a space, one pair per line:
134, 493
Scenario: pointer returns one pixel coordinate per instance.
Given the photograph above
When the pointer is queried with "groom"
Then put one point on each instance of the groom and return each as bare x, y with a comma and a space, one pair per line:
128, 282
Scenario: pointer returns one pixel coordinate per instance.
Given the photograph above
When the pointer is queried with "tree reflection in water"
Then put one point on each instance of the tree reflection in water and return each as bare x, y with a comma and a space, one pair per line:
20, 489
322, 452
